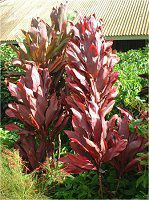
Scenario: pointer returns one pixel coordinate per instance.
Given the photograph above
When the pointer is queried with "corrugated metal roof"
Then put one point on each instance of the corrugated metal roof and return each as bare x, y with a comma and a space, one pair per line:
121, 17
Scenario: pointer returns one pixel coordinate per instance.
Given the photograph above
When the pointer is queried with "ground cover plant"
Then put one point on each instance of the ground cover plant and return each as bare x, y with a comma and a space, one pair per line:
14, 183
66, 80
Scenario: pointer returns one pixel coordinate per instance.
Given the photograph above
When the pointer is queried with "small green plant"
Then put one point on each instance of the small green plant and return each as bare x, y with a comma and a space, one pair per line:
48, 177
143, 179
14, 183
7, 138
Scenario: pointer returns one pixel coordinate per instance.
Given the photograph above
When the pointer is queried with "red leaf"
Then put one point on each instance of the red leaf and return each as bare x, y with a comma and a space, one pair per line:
43, 34
124, 127
114, 151
26, 132
79, 148
10, 113
132, 149
12, 127
33, 80
72, 134
76, 164
92, 149
80, 119
102, 78
52, 109
108, 107
131, 164
33, 121
93, 50
125, 113
108, 45
14, 90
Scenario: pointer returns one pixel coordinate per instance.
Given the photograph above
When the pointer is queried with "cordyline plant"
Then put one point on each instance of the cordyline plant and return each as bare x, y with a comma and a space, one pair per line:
40, 112
90, 80
41, 57
128, 159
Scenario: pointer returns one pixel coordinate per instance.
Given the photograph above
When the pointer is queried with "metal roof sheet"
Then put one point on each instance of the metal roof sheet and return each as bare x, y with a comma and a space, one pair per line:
121, 17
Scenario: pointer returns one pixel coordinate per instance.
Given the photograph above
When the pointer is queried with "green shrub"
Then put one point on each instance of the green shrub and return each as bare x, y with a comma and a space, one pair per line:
132, 63
143, 178
14, 183
82, 186
7, 138
48, 177
56, 185
6, 56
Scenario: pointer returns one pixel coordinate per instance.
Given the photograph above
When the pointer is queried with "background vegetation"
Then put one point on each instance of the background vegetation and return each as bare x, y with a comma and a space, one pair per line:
132, 63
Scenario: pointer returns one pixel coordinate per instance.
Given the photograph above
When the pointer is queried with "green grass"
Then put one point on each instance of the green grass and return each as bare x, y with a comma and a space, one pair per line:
14, 183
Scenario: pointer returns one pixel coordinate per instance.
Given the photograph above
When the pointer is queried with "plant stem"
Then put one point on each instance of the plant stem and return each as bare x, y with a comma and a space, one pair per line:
100, 186
53, 156
117, 187
59, 146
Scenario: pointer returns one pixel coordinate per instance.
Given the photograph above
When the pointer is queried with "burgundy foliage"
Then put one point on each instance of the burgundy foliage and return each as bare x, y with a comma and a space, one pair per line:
127, 159
43, 44
38, 109
38, 87
90, 80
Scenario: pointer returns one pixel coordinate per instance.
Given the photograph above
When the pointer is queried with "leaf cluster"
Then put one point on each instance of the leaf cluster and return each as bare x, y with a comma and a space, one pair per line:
132, 64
